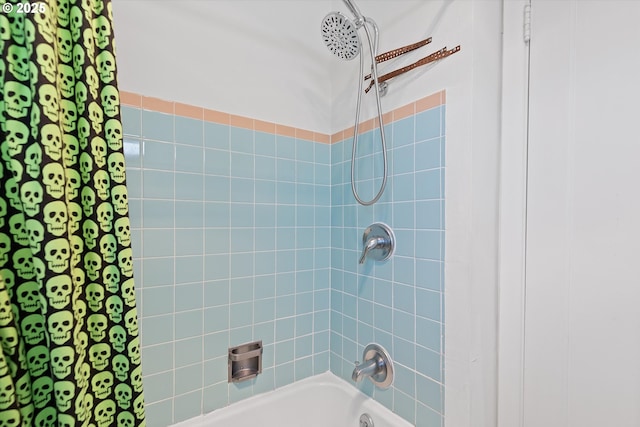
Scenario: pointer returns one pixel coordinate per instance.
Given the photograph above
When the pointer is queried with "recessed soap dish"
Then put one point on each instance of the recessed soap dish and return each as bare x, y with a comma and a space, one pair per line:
245, 361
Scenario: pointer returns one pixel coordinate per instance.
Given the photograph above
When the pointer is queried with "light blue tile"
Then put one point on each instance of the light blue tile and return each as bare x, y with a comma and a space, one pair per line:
404, 325
428, 304
188, 297
428, 184
304, 368
404, 379
428, 124
242, 165
428, 334
241, 290
215, 397
188, 324
158, 155
189, 269
157, 330
265, 286
241, 239
157, 184
264, 310
157, 213
403, 158
216, 293
403, 270
189, 242
428, 244
304, 259
216, 189
285, 284
241, 140
404, 216
189, 159
304, 324
160, 414
216, 319
132, 148
303, 346
286, 192
265, 214
404, 406
305, 194
428, 363
304, 281
403, 132
429, 392
216, 136
189, 186
265, 192
157, 243
265, 263
217, 162
189, 214
428, 214
215, 371
426, 417
241, 215
131, 120
241, 314
241, 335
285, 170
284, 350
428, 274
265, 239
428, 154
241, 265
216, 267
285, 147
403, 297
158, 387
187, 405
216, 214
158, 126
188, 351
305, 172
304, 303
305, 150
265, 143
265, 167
216, 241
285, 306
241, 190
285, 261
158, 358
402, 187
216, 345
157, 272
189, 131
188, 379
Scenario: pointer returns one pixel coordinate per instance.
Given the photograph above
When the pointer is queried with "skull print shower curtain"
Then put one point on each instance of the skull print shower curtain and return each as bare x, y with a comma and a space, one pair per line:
69, 346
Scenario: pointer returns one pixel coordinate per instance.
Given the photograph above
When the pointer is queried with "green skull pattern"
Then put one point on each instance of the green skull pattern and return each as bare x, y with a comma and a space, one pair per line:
69, 345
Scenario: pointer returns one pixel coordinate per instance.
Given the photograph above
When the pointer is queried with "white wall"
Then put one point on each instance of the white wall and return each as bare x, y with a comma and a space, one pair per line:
260, 59
265, 59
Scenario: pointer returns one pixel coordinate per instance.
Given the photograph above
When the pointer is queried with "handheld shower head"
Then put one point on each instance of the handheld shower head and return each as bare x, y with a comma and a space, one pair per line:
340, 35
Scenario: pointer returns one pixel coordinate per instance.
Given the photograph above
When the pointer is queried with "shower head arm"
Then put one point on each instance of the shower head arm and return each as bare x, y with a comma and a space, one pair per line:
359, 18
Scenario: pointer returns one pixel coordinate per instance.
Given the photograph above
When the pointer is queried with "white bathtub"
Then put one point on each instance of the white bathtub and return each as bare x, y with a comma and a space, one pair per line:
320, 401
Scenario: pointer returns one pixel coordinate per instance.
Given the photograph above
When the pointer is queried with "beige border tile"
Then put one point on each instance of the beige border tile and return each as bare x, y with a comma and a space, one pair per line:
186, 110
240, 121
337, 137
285, 130
157, 104
429, 102
216, 117
307, 135
130, 99
405, 111
322, 138
262, 126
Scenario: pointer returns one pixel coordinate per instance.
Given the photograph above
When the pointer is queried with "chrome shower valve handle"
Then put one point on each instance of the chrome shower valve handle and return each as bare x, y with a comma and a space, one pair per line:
379, 242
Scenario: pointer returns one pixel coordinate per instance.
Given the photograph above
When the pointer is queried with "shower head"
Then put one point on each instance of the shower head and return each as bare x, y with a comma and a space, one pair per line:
340, 34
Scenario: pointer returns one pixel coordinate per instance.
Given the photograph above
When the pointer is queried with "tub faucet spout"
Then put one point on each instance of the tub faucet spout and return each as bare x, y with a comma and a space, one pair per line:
367, 369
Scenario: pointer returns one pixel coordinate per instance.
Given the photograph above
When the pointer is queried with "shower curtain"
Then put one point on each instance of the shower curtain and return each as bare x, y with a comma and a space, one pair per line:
70, 352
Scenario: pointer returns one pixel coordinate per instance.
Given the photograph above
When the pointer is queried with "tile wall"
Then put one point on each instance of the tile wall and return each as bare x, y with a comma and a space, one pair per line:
248, 230
231, 225
397, 303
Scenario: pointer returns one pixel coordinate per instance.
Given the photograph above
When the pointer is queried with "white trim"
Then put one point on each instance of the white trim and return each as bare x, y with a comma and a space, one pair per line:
513, 208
